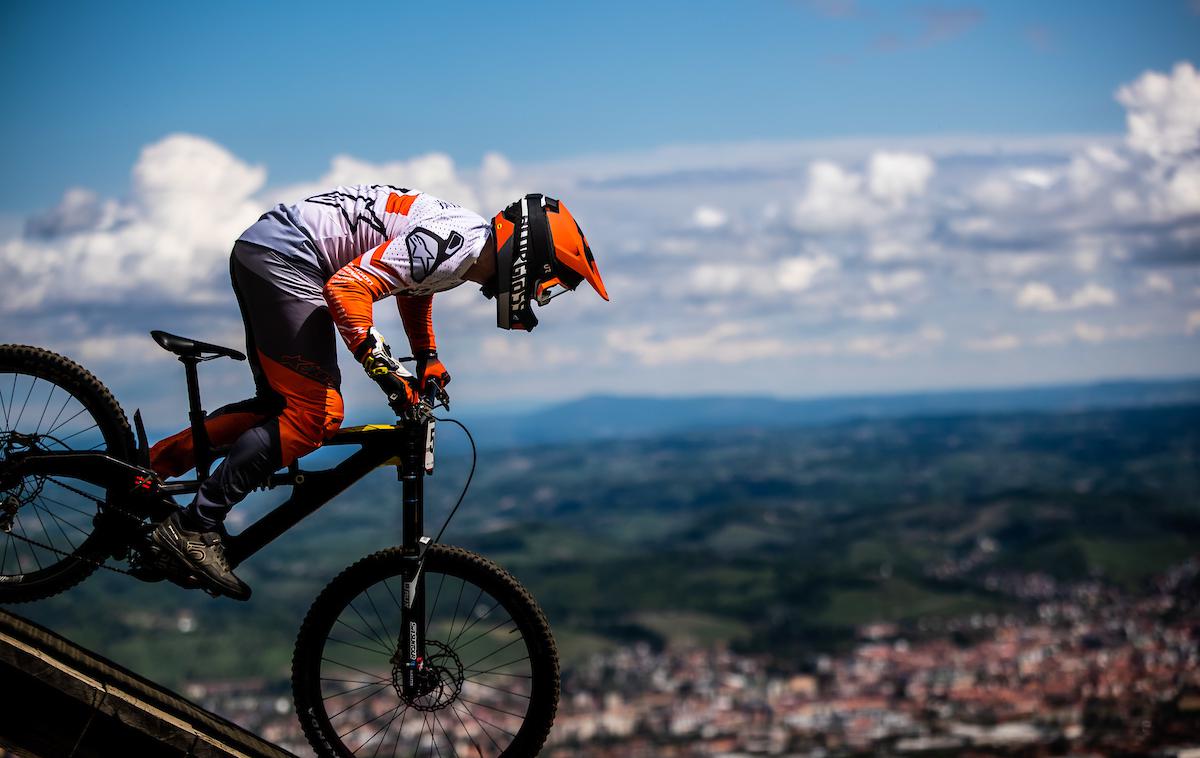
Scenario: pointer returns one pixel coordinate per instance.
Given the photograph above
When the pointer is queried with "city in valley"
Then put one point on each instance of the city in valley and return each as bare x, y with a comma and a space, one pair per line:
1088, 670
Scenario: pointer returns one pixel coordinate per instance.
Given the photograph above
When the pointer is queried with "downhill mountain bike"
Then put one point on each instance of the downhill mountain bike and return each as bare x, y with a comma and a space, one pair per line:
419, 649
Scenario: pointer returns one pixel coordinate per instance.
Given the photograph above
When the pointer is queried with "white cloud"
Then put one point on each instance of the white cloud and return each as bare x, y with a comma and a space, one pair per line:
1090, 332
1193, 322
708, 217
889, 346
881, 311
1157, 282
491, 188
726, 343
1037, 296
896, 177
798, 274
834, 200
838, 199
1163, 112
190, 199
1040, 296
995, 343
787, 276
885, 283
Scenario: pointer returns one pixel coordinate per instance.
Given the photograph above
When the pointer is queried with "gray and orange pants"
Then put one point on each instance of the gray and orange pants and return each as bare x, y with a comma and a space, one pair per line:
292, 347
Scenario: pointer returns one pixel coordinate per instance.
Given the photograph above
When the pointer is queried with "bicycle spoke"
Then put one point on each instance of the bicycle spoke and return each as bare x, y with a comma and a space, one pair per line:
61, 408
25, 533
489, 631
491, 707
454, 617
365, 636
477, 619
466, 731
81, 431
44, 496
17, 424
54, 429
449, 739
378, 689
382, 642
4, 405
489, 655
360, 726
386, 727
382, 623
436, 597
343, 665
485, 721
61, 520
500, 689
54, 520
360, 647
497, 668
353, 689
387, 585
432, 734
352, 681
403, 719
424, 723
42, 417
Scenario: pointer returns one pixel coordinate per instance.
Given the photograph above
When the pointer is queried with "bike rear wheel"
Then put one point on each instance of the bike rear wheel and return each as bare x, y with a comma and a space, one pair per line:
487, 642
48, 535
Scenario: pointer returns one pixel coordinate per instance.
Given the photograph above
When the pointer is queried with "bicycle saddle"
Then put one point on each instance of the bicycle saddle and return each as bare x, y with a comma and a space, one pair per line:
189, 348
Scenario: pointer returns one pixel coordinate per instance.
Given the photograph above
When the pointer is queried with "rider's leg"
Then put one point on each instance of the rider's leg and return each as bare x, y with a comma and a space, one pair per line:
175, 454
293, 355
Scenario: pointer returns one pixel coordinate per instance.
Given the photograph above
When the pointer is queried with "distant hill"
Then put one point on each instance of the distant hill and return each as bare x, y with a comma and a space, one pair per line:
616, 417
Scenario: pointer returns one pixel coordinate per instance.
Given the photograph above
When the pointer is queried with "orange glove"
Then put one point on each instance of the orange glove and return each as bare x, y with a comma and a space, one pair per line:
429, 367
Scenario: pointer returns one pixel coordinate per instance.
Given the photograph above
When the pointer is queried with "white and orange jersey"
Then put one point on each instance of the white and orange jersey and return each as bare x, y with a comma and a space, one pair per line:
432, 240
365, 242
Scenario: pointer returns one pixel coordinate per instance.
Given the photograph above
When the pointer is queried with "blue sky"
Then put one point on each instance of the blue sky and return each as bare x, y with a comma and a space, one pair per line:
795, 198
291, 84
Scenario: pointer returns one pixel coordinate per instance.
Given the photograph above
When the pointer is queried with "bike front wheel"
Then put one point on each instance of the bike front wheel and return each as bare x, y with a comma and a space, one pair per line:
488, 645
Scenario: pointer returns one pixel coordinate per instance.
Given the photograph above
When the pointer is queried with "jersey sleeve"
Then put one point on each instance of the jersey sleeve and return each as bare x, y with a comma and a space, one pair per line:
417, 314
351, 294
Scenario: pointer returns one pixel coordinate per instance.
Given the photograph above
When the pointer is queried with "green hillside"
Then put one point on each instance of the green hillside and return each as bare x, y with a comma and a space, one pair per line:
771, 539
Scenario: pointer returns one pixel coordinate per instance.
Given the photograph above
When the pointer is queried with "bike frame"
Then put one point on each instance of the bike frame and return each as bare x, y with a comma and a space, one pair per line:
408, 445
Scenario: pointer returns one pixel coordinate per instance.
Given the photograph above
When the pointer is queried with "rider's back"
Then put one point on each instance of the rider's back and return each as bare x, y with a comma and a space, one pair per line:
324, 232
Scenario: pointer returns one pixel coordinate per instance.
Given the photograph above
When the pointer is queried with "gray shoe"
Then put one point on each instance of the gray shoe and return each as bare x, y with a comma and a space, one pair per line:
201, 554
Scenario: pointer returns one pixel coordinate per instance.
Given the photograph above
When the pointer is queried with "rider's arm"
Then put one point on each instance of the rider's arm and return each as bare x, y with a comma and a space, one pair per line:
417, 315
351, 294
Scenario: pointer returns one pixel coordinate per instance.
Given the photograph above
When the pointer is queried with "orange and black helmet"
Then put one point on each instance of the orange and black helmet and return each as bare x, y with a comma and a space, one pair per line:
540, 253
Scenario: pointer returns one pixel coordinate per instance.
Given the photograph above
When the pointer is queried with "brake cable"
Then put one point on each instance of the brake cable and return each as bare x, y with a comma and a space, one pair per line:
470, 475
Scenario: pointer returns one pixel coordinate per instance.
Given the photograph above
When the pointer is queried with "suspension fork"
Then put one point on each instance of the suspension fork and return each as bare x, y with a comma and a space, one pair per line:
418, 446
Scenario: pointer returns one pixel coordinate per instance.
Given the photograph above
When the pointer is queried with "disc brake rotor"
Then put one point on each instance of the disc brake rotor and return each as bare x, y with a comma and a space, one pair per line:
439, 681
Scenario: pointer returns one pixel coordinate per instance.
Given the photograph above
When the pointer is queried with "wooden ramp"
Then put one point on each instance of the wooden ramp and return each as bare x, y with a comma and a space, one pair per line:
57, 699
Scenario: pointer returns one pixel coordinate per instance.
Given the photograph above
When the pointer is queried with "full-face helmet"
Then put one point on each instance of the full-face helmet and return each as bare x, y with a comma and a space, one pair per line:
540, 254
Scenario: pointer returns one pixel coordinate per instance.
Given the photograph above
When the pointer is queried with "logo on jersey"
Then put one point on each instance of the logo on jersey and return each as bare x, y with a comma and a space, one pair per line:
427, 251
364, 206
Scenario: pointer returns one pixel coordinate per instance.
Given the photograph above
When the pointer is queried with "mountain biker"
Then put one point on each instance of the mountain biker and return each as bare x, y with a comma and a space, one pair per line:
305, 269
